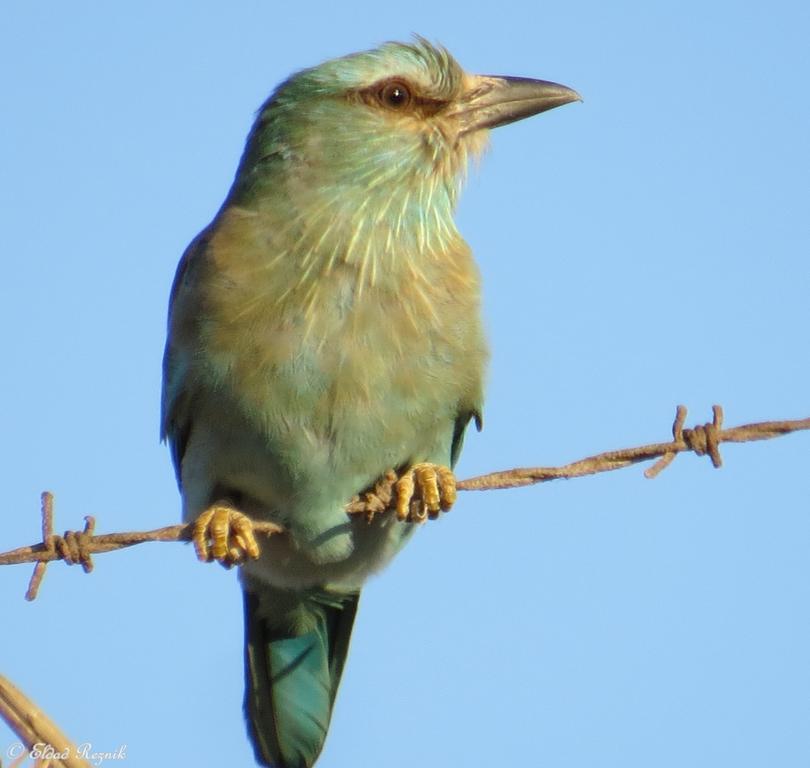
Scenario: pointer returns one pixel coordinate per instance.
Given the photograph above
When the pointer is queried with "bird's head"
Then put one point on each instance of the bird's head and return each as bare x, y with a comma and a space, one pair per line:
389, 130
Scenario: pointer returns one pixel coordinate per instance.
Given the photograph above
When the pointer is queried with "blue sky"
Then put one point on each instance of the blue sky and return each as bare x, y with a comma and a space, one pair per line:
644, 248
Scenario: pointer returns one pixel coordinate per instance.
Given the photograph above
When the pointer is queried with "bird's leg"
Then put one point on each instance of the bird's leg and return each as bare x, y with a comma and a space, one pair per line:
423, 490
224, 534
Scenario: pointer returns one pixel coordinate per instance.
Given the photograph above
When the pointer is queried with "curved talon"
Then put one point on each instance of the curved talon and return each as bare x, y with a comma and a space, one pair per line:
224, 534
427, 480
423, 491
404, 488
447, 488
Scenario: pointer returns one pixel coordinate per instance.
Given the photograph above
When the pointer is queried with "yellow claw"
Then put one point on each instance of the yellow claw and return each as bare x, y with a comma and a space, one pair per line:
224, 534
428, 482
447, 487
404, 496
423, 491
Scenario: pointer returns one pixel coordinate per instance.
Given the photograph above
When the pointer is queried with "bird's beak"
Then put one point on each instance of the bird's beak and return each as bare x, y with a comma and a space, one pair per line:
491, 101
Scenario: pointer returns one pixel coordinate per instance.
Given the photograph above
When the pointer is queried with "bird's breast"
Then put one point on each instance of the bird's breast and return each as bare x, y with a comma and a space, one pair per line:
309, 342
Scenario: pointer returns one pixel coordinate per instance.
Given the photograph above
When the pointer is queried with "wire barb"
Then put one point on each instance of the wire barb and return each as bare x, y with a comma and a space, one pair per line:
704, 438
74, 547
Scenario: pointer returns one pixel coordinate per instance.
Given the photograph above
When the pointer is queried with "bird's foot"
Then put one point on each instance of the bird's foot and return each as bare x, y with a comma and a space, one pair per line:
224, 534
424, 490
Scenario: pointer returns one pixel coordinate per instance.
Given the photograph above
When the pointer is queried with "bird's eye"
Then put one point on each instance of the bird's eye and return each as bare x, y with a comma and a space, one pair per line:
395, 95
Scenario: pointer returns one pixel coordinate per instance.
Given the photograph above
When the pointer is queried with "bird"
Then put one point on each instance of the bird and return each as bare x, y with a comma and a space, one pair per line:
324, 332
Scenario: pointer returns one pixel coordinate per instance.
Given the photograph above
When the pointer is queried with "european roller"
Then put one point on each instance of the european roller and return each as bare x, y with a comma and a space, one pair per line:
324, 330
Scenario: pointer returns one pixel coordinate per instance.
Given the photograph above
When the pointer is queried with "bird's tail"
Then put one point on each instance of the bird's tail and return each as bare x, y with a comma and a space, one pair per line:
295, 647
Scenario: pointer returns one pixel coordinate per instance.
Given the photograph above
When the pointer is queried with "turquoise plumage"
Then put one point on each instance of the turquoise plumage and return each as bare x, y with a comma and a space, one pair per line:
325, 329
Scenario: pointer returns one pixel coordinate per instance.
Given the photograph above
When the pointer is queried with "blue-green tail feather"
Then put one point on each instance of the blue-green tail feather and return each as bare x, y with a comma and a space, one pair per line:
295, 648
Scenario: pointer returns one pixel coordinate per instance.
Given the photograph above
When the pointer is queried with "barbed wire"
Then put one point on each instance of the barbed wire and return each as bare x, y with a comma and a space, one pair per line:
78, 547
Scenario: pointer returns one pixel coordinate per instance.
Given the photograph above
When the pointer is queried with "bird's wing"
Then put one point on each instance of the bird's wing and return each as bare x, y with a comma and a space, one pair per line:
459, 428
175, 406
